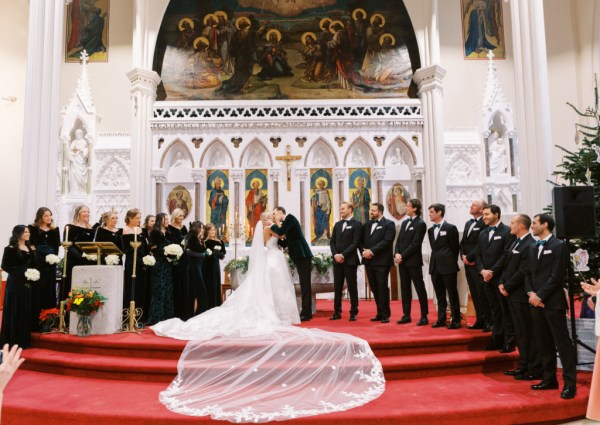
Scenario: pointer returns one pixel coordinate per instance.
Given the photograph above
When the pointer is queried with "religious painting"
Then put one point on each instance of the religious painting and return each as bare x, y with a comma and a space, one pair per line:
396, 199
321, 206
217, 196
256, 200
179, 197
301, 49
87, 29
483, 29
360, 192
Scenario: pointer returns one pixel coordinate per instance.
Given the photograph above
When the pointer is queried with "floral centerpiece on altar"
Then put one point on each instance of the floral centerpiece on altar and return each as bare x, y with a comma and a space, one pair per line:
239, 263
322, 263
85, 303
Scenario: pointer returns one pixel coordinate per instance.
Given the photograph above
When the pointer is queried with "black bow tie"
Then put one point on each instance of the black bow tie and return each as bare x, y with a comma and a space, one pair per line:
435, 226
540, 243
492, 228
471, 221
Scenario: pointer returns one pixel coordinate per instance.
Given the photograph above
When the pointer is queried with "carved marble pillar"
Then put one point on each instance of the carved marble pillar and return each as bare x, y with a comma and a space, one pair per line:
274, 176
532, 105
143, 94
302, 174
160, 177
340, 175
198, 176
378, 177
429, 81
90, 147
42, 103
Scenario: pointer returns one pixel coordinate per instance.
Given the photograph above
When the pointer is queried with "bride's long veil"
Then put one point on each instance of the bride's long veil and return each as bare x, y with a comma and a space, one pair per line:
274, 373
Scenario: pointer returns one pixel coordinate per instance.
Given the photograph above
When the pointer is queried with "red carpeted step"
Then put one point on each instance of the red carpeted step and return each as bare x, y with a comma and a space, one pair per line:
477, 399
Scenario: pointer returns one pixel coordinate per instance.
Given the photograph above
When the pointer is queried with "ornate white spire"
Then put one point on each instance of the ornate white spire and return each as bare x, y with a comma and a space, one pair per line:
83, 89
493, 91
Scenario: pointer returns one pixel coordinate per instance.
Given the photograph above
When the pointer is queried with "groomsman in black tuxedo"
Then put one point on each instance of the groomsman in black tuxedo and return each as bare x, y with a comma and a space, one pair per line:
490, 257
409, 258
547, 267
512, 287
443, 265
378, 254
468, 244
344, 243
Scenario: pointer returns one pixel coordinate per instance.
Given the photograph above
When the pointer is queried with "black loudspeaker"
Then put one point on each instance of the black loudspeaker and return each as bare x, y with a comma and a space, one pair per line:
575, 212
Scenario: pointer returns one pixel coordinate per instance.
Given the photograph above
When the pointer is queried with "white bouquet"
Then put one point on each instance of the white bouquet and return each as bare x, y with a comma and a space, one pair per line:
183, 242
149, 260
32, 275
208, 251
90, 257
173, 252
52, 259
112, 260
217, 247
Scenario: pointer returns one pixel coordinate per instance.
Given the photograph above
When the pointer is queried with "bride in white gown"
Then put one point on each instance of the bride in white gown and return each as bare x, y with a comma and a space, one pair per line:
246, 363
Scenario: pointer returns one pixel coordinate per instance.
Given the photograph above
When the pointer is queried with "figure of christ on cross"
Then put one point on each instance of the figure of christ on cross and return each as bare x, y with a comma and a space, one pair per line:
288, 158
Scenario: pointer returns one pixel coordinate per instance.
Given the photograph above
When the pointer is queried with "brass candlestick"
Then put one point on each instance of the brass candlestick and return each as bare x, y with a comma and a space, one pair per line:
132, 314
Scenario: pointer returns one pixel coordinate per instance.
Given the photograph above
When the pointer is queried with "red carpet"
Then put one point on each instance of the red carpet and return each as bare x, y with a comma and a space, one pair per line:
434, 375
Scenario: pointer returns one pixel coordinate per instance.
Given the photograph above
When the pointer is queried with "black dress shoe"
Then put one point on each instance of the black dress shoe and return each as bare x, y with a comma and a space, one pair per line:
545, 385
385, 320
422, 321
515, 372
305, 318
528, 377
475, 325
507, 348
352, 318
405, 319
486, 328
439, 325
454, 325
568, 392
335, 316
375, 319
493, 347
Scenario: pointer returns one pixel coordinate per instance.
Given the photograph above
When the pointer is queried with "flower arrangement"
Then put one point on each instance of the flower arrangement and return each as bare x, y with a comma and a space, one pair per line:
84, 302
32, 275
209, 251
173, 253
49, 319
112, 260
322, 263
52, 259
90, 257
239, 263
149, 260
217, 247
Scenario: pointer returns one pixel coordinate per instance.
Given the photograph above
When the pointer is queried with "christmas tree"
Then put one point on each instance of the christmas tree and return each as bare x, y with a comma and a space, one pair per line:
583, 168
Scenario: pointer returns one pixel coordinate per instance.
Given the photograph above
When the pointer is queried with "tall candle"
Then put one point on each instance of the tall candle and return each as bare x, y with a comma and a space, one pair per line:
67, 233
135, 234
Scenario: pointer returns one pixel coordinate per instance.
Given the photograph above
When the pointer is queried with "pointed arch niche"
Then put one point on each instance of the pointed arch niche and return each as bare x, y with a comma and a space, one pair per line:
216, 156
360, 154
256, 155
320, 154
178, 162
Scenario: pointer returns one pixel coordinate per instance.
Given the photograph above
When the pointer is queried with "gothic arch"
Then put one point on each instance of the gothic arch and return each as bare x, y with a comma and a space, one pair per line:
499, 121
256, 142
323, 144
213, 146
360, 143
173, 145
405, 146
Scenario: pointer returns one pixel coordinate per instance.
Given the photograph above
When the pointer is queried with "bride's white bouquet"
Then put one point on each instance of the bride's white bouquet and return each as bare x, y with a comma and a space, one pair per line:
32, 275
149, 260
173, 253
52, 259
112, 260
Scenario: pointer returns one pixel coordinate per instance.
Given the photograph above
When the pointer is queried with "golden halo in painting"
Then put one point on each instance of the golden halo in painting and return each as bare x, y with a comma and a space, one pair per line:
319, 180
202, 40
322, 22
214, 17
387, 35
356, 11
375, 15
332, 24
273, 31
221, 13
256, 179
360, 179
306, 34
240, 19
188, 20
218, 180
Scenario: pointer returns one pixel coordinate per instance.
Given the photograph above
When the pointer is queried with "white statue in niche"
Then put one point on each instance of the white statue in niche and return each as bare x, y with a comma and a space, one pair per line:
256, 158
217, 159
181, 161
397, 157
78, 163
319, 157
497, 154
358, 158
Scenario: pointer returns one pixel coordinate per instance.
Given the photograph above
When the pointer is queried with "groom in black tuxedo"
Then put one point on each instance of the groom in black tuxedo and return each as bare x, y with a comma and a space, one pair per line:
300, 254
344, 243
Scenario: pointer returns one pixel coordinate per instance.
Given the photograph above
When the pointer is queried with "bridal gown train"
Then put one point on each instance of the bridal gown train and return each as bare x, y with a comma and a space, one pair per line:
244, 362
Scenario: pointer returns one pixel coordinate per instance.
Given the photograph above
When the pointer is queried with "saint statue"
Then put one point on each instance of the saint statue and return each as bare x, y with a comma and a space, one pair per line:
497, 154
181, 161
321, 209
255, 159
78, 163
397, 158
217, 159
358, 158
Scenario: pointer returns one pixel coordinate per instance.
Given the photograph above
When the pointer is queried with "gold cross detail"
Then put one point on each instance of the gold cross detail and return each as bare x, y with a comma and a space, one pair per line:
287, 158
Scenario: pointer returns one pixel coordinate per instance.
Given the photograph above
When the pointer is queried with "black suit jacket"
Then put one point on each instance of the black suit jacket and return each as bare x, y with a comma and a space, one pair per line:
515, 269
490, 254
296, 243
444, 249
410, 242
468, 244
380, 242
346, 242
546, 275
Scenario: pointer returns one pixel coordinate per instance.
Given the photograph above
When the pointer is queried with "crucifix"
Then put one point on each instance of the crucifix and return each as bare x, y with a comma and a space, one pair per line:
287, 158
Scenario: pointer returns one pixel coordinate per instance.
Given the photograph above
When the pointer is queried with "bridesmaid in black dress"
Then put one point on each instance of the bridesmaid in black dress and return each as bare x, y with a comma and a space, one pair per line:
17, 314
196, 252
133, 233
78, 231
45, 237
148, 225
212, 266
109, 232
161, 306
146, 229
176, 233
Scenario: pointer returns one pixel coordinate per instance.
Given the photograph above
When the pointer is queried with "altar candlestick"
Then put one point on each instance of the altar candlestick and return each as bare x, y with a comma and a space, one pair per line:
67, 233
